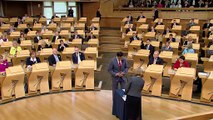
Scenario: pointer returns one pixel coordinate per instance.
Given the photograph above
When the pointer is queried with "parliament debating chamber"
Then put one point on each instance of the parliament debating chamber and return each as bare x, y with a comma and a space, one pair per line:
106, 59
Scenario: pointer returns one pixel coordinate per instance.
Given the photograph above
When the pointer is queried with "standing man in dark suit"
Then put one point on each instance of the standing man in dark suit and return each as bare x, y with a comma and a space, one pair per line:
78, 56
149, 46
56, 36
133, 99
62, 46
155, 59
156, 14
70, 12
54, 58
118, 68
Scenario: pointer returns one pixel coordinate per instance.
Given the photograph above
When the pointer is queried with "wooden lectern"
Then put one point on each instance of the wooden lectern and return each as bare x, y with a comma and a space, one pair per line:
65, 34
21, 27
4, 27
26, 44
81, 32
13, 84
167, 58
13, 20
156, 44
80, 26
61, 77
93, 43
67, 53
195, 30
65, 26
177, 29
52, 26
158, 19
160, 28
192, 58
150, 35
143, 28
5, 46
14, 35
43, 20
123, 21
31, 35
141, 59
47, 34
91, 53
84, 75
133, 47
153, 79
141, 21
182, 83
207, 85
68, 20
37, 27
175, 46
57, 20
38, 78
82, 20
76, 43
95, 33
20, 58
95, 20
29, 20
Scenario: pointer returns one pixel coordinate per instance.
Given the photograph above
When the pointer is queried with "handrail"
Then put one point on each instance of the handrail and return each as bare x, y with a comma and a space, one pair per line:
162, 9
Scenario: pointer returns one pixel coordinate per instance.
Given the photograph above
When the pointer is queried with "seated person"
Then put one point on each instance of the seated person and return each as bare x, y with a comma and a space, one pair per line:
210, 32
3, 39
130, 17
166, 31
15, 48
128, 21
76, 36
181, 63
152, 29
188, 49
18, 22
26, 30
140, 16
56, 36
61, 46
78, 56
155, 59
92, 27
32, 59
129, 29
191, 23
158, 23
174, 23
90, 36
37, 37
134, 37
206, 26
149, 46
189, 41
21, 38
170, 39
209, 52
3, 64
167, 47
54, 58
43, 45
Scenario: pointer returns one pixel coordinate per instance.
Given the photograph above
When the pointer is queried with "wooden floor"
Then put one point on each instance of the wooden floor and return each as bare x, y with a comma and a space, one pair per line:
90, 106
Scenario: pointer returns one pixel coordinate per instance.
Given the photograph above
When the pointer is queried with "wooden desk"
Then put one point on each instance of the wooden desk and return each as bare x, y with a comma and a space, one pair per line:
13, 83
52, 26
123, 21
84, 75
95, 20
28, 20
21, 57
143, 28
177, 29
82, 20
5, 27
81, 33
93, 43
156, 20
57, 20
160, 28
133, 47
207, 84
5, 46
80, 26
167, 58
153, 79
31, 34
68, 20
125, 27
13, 20
37, 27
65, 34
14, 35
195, 29
76, 43
195, 37
141, 21
26, 44
62, 77
91, 53
95, 33
45, 53
38, 79
141, 59
176, 19
182, 83
47, 34
67, 53
156, 44
65, 26
196, 47
208, 64
128, 36
149, 35
175, 46
21, 27
43, 21
192, 58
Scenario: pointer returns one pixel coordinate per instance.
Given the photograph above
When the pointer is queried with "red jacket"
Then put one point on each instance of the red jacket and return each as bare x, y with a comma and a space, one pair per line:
177, 64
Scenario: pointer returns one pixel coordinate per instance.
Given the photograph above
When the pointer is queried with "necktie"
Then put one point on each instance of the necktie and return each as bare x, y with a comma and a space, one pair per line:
119, 64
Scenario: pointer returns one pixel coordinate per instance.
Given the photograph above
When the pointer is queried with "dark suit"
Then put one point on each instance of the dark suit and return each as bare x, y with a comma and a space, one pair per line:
61, 48
134, 38
113, 69
75, 58
158, 62
139, 17
128, 29
16, 24
29, 62
206, 25
52, 60
156, 15
151, 48
76, 37
54, 38
128, 22
89, 37
172, 40
46, 46
36, 39
70, 13
174, 24
27, 30
131, 18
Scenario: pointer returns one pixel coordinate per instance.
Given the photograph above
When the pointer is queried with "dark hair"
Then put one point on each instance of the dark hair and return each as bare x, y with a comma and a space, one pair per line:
61, 41
182, 57
119, 54
148, 39
170, 34
32, 52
